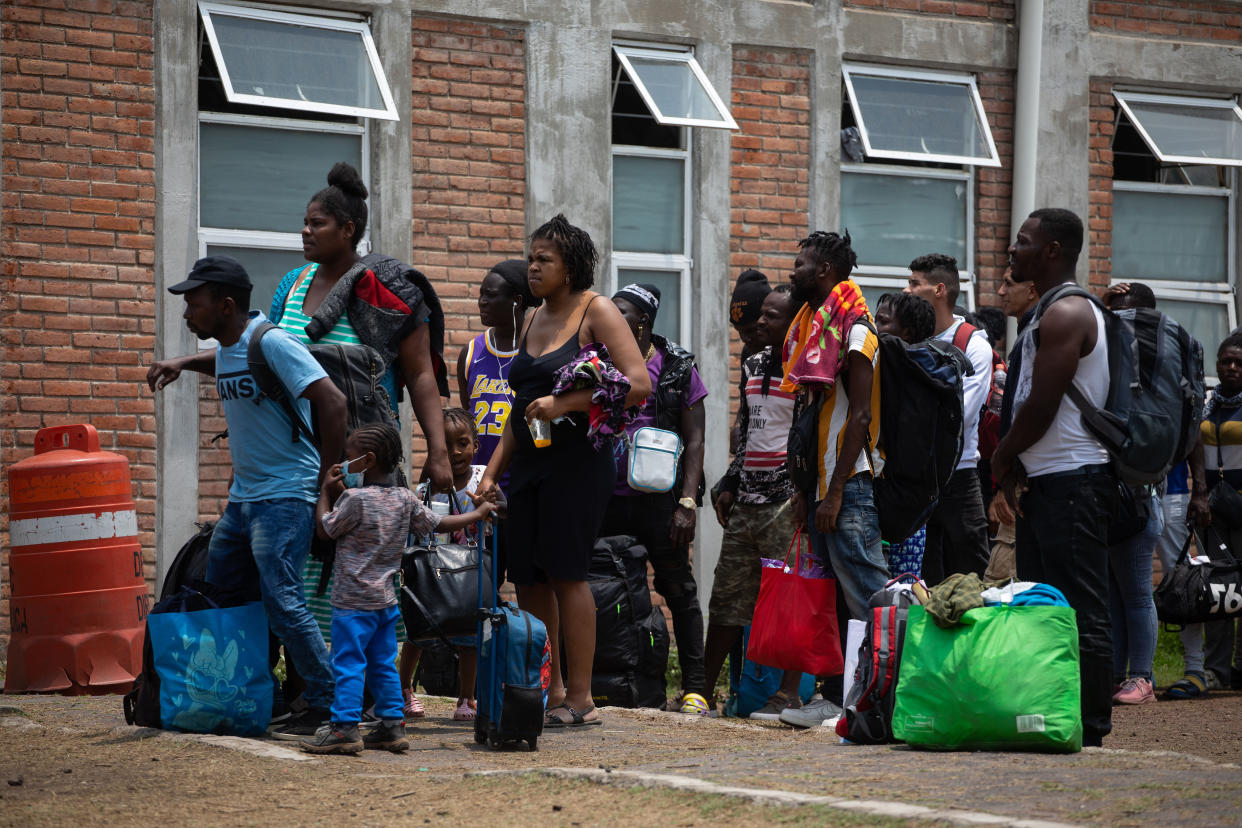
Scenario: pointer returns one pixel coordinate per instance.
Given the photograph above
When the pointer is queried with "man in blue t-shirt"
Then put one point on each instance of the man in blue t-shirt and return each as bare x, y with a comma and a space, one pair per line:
261, 542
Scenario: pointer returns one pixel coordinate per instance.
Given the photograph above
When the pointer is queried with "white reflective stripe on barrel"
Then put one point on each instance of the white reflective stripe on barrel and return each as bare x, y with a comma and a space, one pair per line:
71, 528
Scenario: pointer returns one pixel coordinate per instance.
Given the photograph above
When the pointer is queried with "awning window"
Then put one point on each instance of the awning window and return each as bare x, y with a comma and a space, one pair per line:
297, 61
674, 87
912, 115
1181, 130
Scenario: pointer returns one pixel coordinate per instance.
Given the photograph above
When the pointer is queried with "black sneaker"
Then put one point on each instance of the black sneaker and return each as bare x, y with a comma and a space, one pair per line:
300, 725
387, 737
338, 738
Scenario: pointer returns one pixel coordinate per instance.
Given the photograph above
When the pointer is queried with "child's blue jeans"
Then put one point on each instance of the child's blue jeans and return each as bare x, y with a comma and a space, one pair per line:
364, 651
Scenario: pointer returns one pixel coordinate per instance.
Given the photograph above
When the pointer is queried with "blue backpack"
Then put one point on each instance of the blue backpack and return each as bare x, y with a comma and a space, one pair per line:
751, 684
1151, 417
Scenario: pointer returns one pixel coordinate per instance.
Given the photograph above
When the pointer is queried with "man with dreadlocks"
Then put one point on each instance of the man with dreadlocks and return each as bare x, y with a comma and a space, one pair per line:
830, 361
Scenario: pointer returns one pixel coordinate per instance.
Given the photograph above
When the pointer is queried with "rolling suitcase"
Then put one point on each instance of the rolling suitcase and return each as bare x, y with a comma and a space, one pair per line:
514, 669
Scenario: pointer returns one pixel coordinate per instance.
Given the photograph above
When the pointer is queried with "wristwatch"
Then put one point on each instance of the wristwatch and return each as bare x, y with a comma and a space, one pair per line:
687, 503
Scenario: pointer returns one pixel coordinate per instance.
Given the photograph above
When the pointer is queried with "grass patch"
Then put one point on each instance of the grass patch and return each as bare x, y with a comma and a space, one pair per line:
1169, 662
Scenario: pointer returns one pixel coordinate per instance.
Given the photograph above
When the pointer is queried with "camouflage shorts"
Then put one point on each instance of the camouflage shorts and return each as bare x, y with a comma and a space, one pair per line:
754, 532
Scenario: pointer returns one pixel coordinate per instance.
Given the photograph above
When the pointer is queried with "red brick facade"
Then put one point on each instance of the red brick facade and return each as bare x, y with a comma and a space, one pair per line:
993, 188
993, 9
1100, 211
469, 169
770, 172
76, 292
1177, 19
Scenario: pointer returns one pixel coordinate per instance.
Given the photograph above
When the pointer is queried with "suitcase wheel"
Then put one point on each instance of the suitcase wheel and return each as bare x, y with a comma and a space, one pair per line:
531, 741
480, 738
494, 741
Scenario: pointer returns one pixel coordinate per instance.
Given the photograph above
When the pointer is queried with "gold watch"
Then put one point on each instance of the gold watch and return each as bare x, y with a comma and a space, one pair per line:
687, 503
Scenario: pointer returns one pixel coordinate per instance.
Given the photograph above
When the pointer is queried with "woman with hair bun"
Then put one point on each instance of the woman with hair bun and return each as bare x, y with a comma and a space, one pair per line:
557, 493
375, 300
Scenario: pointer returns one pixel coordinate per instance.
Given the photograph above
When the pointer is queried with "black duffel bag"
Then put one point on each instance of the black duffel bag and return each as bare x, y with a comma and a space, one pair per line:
440, 589
1192, 593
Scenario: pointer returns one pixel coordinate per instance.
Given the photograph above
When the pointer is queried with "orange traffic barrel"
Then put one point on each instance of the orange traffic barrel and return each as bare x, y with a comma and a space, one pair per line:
77, 601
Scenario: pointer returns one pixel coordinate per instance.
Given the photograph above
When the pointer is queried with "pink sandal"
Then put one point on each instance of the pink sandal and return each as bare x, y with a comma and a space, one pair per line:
413, 707
465, 711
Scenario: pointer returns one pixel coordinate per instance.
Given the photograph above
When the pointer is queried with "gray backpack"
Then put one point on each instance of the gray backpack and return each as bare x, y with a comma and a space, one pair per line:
1155, 395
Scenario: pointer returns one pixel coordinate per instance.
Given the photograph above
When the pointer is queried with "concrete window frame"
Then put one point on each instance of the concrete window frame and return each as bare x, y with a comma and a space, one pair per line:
965, 81
888, 278
292, 19
694, 77
1132, 103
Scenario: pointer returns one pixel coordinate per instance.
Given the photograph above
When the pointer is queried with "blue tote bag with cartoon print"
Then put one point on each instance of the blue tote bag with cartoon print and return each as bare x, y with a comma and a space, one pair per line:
212, 666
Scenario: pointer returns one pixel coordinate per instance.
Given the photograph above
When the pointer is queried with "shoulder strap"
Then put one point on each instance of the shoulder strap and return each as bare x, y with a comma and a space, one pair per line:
964, 332
526, 329
582, 320
269, 383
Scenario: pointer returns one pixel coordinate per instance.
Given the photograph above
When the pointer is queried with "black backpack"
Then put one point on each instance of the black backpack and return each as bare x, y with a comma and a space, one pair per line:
190, 565
920, 429
632, 641
354, 369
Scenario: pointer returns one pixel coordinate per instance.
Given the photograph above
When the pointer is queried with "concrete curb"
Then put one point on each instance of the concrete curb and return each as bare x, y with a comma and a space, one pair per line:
765, 796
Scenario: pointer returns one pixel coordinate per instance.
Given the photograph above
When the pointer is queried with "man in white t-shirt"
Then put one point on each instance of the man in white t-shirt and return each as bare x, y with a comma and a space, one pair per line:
957, 530
1063, 518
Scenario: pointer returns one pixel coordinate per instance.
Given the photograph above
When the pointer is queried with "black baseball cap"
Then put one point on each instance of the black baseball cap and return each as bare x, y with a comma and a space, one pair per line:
223, 270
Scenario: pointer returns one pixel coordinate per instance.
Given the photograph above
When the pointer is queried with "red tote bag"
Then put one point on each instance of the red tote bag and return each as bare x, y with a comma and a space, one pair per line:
795, 621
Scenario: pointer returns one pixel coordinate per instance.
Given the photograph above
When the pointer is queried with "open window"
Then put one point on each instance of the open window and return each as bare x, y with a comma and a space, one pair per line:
1181, 130
1175, 209
910, 142
674, 87
313, 63
913, 115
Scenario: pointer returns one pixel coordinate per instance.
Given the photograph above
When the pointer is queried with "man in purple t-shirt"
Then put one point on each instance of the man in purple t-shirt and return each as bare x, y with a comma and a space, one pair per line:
664, 522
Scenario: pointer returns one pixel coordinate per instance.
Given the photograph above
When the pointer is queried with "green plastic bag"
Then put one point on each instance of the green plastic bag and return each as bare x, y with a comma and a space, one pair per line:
1005, 678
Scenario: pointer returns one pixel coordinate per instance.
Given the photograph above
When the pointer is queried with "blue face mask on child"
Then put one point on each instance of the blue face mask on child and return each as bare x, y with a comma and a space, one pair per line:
353, 480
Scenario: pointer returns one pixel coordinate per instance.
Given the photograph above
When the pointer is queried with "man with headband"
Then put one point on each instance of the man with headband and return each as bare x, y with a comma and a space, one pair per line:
665, 522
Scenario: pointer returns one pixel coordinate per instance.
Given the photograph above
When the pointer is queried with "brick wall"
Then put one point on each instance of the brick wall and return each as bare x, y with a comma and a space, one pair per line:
1179, 19
994, 9
770, 169
77, 314
1100, 158
993, 188
469, 174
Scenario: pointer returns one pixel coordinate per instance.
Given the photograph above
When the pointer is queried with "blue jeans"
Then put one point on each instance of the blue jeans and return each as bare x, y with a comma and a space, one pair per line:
1130, 604
261, 547
364, 646
854, 551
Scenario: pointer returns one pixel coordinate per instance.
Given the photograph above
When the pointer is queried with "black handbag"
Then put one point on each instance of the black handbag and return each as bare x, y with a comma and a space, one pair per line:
1223, 499
802, 453
1192, 593
440, 588
1132, 515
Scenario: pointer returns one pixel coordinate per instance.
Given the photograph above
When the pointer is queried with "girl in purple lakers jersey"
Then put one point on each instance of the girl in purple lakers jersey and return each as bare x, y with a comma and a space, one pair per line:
483, 365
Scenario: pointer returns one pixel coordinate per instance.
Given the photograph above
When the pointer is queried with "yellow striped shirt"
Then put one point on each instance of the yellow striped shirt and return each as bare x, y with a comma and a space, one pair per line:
835, 413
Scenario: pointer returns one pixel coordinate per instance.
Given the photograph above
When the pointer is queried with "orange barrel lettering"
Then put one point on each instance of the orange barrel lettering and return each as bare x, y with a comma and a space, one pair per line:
78, 602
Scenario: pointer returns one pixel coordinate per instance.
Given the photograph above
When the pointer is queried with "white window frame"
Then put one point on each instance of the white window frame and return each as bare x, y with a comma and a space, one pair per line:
891, 277
680, 263
319, 21
966, 80
1124, 99
1212, 293
625, 51
265, 239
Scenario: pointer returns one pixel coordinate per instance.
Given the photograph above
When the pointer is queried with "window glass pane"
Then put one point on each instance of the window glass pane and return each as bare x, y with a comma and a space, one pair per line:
1190, 131
674, 89
923, 117
668, 319
265, 266
308, 64
1207, 322
259, 178
648, 210
893, 219
1169, 236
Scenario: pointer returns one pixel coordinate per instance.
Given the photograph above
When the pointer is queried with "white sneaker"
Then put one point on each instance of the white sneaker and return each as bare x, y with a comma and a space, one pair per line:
812, 714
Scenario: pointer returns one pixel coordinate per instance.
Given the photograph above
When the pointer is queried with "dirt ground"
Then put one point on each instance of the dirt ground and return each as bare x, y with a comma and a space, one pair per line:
73, 760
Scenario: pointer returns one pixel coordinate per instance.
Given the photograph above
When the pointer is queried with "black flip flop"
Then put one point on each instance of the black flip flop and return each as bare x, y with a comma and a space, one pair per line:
556, 721
579, 719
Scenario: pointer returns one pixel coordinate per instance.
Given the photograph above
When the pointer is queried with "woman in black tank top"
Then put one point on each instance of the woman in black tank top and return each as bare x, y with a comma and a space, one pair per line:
557, 495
